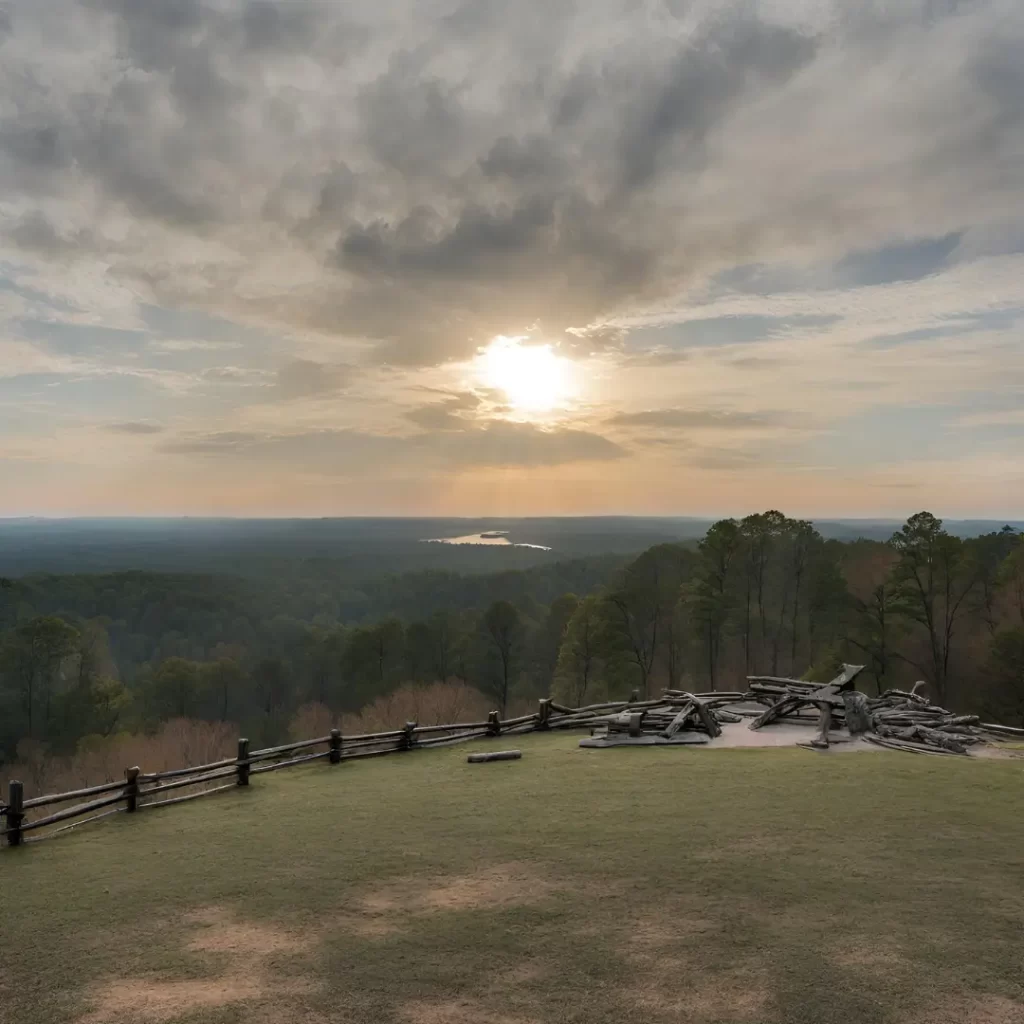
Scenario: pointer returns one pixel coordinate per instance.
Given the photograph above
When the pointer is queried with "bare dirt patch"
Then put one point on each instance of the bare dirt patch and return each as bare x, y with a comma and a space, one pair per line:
875, 955
503, 885
972, 1010
528, 973
462, 1011
220, 933
250, 949
723, 996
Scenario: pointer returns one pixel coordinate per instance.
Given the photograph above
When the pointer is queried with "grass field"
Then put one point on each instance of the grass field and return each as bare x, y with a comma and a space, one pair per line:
574, 885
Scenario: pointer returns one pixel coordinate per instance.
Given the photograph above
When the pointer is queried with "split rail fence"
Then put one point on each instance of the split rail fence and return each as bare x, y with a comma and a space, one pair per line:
26, 820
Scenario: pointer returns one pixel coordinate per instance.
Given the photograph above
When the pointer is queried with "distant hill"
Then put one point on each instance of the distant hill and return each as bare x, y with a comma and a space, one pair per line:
358, 548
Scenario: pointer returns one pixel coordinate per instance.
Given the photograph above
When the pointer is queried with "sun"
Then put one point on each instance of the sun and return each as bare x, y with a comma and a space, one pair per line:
532, 376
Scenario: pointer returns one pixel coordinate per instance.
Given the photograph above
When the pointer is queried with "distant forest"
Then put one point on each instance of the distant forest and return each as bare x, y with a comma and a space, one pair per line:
88, 656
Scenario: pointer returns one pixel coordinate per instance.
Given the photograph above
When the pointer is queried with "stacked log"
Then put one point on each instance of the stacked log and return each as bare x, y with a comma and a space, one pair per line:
679, 717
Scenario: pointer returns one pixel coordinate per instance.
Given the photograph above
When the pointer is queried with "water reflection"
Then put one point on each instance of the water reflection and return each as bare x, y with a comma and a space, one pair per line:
492, 537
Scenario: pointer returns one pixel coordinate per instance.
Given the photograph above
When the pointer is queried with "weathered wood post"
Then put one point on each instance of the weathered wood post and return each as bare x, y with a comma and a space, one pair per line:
131, 788
634, 696
243, 762
408, 738
493, 723
335, 756
824, 724
543, 712
15, 812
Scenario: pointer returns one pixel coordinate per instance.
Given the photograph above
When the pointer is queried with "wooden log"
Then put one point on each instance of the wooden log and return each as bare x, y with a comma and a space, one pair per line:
335, 757
858, 718
422, 730
783, 680
1006, 730
912, 747
242, 763
707, 719
494, 755
131, 788
73, 794
359, 737
783, 707
177, 773
522, 720
76, 824
824, 722
408, 738
942, 739
543, 712
73, 812
351, 755
459, 737
286, 748
301, 759
196, 780
191, 796
679, 721
15, 812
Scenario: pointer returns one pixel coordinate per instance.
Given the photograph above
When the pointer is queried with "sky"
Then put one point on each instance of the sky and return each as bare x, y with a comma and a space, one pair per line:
473, 257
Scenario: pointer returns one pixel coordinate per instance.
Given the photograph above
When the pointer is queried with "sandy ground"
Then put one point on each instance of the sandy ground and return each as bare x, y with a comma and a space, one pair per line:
739, 734
784, 734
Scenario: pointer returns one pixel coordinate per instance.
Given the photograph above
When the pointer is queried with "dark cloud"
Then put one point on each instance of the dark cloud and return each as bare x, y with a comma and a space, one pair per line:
495, 444
135, 427
701, 419
422, 176
447, 414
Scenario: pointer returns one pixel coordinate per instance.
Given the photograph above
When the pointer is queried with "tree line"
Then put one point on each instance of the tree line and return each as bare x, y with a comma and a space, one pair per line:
764, 594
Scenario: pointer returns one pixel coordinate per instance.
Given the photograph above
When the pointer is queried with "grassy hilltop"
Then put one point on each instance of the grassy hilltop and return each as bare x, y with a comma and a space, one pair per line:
575, 885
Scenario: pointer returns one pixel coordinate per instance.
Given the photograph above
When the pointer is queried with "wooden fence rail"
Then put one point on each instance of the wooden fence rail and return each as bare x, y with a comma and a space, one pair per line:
145, 790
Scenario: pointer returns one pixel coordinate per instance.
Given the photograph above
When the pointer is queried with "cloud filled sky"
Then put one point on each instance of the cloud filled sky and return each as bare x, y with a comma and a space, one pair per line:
254, 254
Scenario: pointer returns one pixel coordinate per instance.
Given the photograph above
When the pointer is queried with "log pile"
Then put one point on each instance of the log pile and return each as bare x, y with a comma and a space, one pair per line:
897, 719
678, 718
908, 721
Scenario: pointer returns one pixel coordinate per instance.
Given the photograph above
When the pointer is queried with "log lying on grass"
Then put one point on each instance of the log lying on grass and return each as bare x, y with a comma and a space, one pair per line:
495, 755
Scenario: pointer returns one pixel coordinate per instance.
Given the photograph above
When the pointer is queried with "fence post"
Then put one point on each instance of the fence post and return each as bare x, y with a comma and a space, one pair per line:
131, 788
15, 812
493, 723
335, 757
243, 762
408, 739
634, 696
543, 712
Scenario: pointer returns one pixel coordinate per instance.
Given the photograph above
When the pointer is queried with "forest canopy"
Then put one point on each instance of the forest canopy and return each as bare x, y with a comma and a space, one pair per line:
88, 656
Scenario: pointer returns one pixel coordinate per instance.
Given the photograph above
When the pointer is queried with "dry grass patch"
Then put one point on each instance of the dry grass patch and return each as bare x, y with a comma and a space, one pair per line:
460, 1011
700, 999
220, 932
874, 954
972, 1010
250, 949
497, 887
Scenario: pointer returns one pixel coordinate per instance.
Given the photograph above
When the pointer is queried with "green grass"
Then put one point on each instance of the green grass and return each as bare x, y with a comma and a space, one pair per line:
574, 885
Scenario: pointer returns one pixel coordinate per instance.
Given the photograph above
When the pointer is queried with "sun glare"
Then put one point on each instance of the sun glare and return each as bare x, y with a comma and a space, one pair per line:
532, 377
